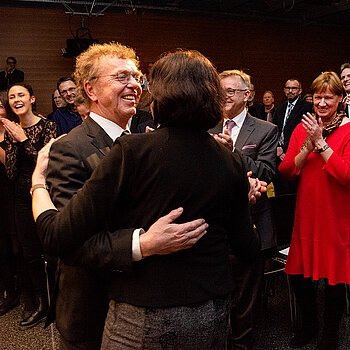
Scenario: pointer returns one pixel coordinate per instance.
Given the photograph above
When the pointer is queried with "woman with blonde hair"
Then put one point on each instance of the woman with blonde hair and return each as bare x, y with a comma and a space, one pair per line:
319, 156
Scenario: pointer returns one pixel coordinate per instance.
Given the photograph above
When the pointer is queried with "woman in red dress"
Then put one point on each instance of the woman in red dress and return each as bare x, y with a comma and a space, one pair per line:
319, 156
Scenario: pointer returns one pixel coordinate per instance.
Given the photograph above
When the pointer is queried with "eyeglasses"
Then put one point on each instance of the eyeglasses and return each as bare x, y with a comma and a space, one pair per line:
293, 88
232, 92
11, 62
65, 92
124, 77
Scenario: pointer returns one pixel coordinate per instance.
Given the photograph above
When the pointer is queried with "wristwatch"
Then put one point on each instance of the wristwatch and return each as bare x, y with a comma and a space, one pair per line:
35, 187
322, 149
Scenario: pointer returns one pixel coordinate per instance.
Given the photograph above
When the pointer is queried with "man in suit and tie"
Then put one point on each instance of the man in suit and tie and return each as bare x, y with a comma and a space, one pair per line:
345, 79
289, 114
256, 139
108, 77
287, 117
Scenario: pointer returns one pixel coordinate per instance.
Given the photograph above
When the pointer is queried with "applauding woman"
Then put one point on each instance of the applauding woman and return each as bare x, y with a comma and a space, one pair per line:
21, 145
319, 155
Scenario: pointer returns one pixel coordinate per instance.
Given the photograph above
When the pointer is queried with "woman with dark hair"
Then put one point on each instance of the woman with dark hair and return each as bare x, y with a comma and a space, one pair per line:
179, 300
21, 144
319, 155
7, 260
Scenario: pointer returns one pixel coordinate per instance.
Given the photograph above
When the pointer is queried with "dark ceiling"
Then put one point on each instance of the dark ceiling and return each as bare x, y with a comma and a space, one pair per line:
305, 12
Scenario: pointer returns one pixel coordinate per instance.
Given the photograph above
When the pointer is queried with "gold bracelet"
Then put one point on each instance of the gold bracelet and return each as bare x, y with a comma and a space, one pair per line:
35, 187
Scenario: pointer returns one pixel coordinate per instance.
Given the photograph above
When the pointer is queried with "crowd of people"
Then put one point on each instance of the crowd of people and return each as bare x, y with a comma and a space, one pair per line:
159, 239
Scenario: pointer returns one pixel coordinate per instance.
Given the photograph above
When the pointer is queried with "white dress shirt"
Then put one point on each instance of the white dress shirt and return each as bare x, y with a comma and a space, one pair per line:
239, 120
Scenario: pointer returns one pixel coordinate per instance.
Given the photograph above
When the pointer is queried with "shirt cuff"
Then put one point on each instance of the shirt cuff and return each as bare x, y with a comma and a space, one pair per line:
136, 249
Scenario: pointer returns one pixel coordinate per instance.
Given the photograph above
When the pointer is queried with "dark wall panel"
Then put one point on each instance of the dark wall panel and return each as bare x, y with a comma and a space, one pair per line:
270, 52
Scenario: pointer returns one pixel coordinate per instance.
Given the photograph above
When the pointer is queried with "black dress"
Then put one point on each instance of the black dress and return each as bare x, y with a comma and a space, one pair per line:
20, 163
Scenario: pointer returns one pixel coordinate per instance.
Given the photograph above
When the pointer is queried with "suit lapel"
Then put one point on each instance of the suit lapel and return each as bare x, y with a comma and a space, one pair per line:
247, 128
283, 113
99, 138
295, 111
217, 129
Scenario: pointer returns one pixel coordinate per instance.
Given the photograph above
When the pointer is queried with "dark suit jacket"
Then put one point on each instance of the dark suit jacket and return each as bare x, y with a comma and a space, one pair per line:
81, 301
257, 110
144, 177
257, 141
301, 107
17, 76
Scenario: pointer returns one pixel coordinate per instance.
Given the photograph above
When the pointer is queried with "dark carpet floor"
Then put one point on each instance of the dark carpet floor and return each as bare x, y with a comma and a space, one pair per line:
273, 329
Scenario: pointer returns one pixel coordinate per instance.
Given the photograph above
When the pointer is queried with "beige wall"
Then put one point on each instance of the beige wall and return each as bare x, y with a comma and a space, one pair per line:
269, 52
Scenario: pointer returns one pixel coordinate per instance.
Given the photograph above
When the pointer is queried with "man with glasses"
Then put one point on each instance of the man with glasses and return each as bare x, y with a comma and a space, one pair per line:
10, 75
288, 115
66, 118
108, 77
256, 139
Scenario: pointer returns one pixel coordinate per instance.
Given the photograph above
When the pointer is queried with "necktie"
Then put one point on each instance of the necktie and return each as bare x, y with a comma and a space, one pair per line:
229, 125
289, 110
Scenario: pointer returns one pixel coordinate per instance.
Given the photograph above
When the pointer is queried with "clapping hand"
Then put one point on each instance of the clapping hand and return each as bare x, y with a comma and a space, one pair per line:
14, 130
313, 127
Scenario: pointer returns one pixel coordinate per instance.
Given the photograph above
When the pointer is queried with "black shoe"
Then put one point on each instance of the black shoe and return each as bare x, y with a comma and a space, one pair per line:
303, 337
328, 343
8, 304
35, 317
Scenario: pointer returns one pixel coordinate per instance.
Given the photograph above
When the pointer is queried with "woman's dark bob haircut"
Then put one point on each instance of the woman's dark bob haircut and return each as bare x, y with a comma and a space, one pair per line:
186, 91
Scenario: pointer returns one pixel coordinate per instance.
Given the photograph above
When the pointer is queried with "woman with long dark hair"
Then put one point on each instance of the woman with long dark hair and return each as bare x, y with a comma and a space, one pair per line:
21, 144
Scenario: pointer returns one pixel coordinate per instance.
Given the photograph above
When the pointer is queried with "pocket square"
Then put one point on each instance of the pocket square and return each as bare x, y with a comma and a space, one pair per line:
248, 146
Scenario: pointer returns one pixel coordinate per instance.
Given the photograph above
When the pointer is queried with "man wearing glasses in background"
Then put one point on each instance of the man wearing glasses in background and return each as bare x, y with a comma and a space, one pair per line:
10, 75
256, 139
66, 118
288, 115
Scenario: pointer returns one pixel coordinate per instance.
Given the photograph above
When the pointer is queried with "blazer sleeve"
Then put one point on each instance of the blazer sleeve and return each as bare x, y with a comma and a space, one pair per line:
88, 210
246, 242
67, 173
264, 165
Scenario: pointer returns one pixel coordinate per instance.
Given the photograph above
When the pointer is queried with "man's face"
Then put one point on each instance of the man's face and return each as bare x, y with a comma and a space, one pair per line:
268, 99
292, 90
67, 91
345, 79
236, 95
10, 65
111, 98
58, 99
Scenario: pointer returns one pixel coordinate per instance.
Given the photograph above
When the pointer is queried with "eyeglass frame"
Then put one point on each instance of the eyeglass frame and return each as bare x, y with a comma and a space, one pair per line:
65, 92
293, 88
139, 78
232, 92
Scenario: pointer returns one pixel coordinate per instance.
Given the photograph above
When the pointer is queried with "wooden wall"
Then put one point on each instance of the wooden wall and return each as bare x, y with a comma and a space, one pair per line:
270, 52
